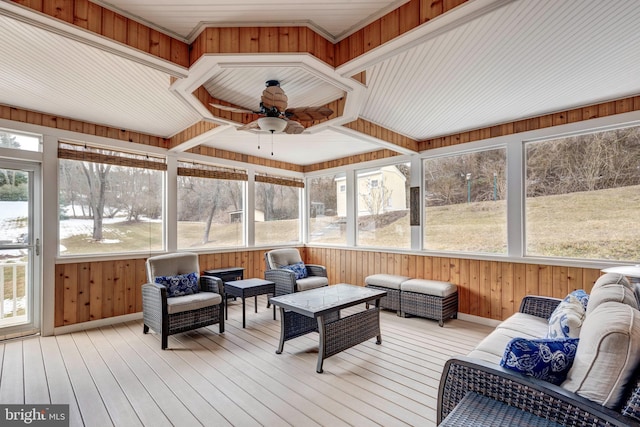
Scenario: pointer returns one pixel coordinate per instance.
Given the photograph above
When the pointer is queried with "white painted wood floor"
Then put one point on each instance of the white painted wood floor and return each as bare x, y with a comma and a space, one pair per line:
118, 376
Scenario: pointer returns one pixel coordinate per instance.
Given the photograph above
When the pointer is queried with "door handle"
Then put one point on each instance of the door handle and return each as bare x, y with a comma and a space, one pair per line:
37, 246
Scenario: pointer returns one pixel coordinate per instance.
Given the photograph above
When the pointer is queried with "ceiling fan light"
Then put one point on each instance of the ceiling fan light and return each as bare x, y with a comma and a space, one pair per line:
272, 124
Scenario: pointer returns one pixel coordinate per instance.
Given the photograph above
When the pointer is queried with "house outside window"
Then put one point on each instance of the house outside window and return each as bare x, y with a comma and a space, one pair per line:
383, 206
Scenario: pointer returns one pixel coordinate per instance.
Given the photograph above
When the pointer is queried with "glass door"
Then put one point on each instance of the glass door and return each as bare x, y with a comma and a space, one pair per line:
19, 248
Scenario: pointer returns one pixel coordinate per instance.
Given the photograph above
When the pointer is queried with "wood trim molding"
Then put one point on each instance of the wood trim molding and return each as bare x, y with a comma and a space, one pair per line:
350, 160
223, 40
65, 123
244, 158
603, 109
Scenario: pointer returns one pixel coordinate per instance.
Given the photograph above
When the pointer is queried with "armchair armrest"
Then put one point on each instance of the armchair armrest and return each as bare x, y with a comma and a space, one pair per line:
154, 294
464, 374
212, 284
316, 270
539, 306
285, 280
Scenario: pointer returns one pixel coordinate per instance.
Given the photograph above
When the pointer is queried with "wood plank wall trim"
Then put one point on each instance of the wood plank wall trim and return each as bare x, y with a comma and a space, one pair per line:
65, 123
244, 158
359, 158
191, 132
86, 291
262, 40
603, 109
105, 22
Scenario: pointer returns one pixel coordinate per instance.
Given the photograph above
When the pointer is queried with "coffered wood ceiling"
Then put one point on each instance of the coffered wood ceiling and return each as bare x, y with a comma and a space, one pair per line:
427, 74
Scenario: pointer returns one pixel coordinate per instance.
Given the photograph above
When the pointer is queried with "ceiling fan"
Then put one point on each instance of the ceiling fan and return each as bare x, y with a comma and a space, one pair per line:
276, 116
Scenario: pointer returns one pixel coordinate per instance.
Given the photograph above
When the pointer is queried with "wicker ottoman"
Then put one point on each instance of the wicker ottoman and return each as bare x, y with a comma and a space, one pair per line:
429, 298
390, 283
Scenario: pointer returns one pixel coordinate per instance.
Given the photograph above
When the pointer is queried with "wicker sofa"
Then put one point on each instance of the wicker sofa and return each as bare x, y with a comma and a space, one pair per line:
602, 387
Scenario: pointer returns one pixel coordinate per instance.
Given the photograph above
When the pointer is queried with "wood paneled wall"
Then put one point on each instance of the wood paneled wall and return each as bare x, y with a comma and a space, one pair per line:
490, 289
95, 290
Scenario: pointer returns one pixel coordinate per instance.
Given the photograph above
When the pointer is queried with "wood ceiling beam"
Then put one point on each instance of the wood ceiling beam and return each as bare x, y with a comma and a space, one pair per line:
112, 25
117, 27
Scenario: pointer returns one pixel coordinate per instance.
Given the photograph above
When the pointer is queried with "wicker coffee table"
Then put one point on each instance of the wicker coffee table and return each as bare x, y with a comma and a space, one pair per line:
319, 310
248, 288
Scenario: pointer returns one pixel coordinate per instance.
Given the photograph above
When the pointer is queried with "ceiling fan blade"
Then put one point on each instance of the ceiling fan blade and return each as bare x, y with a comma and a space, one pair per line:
232, 109
250, 126
273, 96
308, 114
293, 127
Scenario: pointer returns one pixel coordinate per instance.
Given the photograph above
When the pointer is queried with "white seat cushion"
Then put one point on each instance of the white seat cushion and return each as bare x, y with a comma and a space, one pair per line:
390, 281
429, 287
311, 282
192, 302
520, 325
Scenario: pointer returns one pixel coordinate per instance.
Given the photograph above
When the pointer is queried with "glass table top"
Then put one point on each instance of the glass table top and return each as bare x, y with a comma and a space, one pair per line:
327, 298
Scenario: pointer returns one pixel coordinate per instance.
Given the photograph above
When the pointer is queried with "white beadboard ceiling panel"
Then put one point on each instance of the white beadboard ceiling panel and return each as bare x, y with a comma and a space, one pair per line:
303, 149
524, 59
47, 72
332, 18
520, 58
243, 86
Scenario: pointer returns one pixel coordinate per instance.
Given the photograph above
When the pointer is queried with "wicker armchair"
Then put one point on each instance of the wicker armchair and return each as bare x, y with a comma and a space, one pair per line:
285, 280
172, 315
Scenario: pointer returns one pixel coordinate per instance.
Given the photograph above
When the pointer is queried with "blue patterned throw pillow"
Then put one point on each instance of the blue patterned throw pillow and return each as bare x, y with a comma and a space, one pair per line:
581, 295
566, 320
546, 359
298, 269
182, 284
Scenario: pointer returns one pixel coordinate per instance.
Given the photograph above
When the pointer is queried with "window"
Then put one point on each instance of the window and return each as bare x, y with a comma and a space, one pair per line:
383, 206
210, 206
465, 202
109, 201
20, 141
277, 210
582, 196
327, 209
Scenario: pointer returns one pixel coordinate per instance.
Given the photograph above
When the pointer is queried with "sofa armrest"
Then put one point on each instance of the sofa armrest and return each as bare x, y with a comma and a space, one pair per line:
316, 270
464, 374
539, 306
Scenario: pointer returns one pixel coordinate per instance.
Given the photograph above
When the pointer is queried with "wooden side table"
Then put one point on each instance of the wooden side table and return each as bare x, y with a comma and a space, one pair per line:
249, 288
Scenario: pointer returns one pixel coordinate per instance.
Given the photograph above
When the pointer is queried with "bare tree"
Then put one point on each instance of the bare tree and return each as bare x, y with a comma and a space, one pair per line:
96, 175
